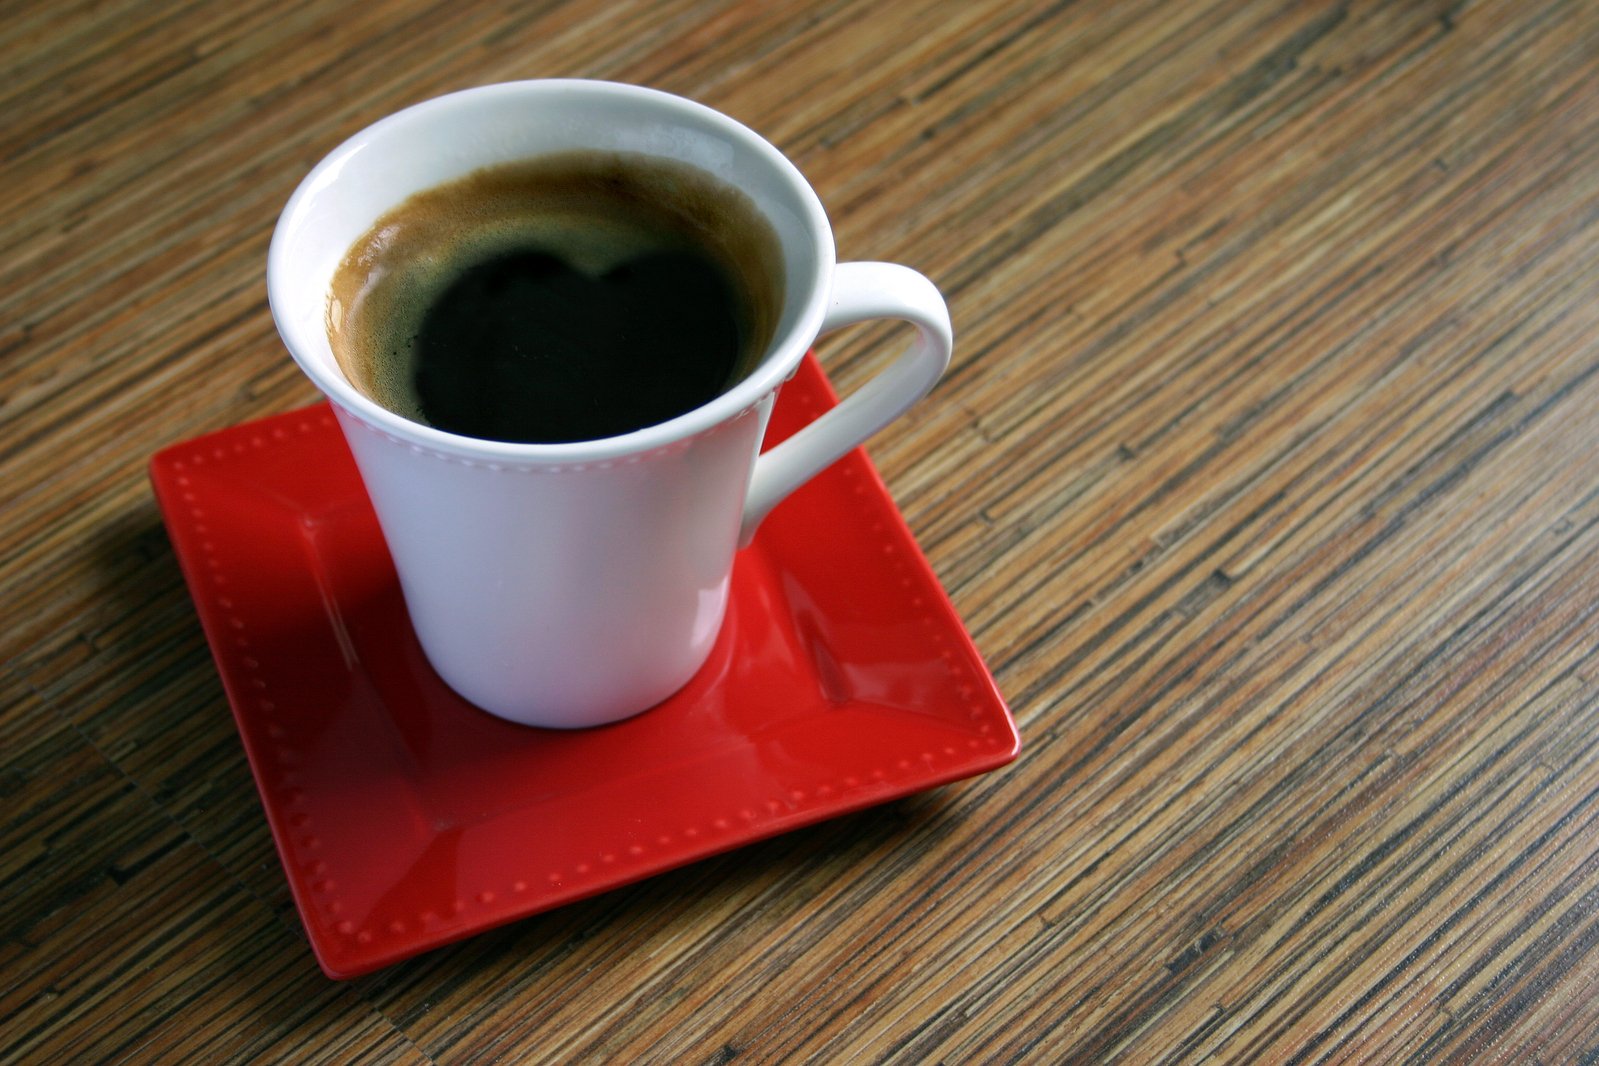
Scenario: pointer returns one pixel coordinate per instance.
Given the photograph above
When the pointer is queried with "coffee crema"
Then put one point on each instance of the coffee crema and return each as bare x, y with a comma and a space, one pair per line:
566, 298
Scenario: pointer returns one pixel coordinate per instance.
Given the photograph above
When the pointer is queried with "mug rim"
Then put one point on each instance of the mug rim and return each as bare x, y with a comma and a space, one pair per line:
782, 357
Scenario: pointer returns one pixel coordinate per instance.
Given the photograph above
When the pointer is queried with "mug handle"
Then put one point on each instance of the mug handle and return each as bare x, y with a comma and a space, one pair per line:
861, 291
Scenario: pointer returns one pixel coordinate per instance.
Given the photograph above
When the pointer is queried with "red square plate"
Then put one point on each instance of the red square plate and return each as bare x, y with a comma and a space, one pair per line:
406, 818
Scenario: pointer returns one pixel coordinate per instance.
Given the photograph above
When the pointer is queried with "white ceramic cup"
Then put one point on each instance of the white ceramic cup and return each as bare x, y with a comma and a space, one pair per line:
569, 585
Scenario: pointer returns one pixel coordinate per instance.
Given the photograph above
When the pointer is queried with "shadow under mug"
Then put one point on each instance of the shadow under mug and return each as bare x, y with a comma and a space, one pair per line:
570, 585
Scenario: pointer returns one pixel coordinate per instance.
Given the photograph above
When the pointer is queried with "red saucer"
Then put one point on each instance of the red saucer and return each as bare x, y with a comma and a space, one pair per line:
406, 818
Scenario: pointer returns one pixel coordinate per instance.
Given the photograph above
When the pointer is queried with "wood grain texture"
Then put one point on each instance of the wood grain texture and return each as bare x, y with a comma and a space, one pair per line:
1263, 477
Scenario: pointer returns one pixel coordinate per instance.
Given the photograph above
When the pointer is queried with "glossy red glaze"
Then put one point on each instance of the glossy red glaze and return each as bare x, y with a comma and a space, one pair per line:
406, 818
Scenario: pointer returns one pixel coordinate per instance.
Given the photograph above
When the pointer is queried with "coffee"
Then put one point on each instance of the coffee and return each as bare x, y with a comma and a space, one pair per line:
568, 298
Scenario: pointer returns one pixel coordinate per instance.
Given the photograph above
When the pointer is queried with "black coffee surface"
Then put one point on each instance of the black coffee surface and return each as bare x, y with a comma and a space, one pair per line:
568, 298
525, 347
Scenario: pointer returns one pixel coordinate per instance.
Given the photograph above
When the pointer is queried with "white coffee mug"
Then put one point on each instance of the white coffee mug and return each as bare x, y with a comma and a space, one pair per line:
574, 584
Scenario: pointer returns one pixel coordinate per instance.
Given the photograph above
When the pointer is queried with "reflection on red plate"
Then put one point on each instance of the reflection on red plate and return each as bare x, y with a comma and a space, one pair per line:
406, 818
